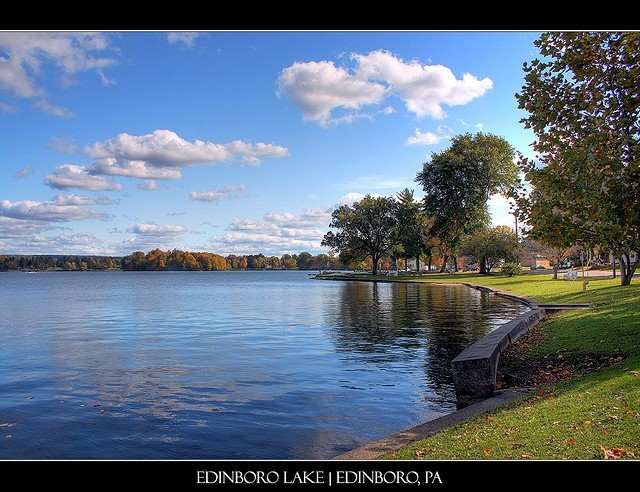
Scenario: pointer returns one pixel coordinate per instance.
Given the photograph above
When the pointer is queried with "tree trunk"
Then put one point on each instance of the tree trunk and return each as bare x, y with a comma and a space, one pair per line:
445, 258
483, 266
555, 271
626, 269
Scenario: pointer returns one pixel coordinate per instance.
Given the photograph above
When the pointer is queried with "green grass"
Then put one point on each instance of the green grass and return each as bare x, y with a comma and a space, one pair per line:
595, 416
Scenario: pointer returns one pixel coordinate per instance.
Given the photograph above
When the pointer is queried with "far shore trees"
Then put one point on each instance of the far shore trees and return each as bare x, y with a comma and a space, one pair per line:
583, 186
366, 229
458, 183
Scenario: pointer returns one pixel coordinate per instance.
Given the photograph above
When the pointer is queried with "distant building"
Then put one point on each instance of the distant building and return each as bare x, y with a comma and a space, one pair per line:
535, 260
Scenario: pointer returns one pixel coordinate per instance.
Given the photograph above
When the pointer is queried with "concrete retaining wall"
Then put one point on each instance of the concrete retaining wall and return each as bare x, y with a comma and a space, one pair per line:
474, 369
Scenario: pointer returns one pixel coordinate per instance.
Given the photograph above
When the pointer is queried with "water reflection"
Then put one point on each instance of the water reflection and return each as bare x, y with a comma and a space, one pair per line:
225, 365
399, 322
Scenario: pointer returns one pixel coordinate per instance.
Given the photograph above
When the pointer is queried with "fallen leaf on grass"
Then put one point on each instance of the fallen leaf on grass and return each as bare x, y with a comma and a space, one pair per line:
486, 452
614, 453
635, 373
572, 441
587, 422
517, 445
526, 456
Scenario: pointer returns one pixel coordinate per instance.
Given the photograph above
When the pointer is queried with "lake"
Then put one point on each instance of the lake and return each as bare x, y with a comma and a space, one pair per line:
225, 365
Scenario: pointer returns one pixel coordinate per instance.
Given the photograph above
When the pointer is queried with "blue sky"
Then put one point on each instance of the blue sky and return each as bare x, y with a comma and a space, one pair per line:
233, 142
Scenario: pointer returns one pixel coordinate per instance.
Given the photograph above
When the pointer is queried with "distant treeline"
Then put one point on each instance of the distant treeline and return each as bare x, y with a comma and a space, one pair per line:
186, 260
57, 262
168, 260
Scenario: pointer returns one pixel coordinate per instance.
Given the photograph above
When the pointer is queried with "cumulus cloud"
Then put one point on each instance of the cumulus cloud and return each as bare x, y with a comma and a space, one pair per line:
24, 54
73, 176
319, 88
427, 138
133, 169
61, 208
227, 193
162, 154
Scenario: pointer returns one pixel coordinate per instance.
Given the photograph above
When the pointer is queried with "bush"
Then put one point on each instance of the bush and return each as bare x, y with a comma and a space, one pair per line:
511, 269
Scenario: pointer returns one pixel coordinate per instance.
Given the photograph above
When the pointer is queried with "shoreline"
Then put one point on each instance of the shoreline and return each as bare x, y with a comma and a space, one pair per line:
476, 406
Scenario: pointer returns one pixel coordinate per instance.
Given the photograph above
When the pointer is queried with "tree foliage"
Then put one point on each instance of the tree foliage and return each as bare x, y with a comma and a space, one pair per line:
583, 100
488, 246
459, 181
413, 226
366, 229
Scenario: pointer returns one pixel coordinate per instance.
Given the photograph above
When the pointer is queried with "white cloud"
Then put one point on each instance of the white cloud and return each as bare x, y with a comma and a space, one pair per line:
227, 193
73, 176
186, 38
426, 138
62, 208
25, 54
133, 169
161, 154
424, 88
320, 87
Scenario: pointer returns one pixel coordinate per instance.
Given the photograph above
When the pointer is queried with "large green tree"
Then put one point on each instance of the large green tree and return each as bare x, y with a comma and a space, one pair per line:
459, 181
367, 229
583, 100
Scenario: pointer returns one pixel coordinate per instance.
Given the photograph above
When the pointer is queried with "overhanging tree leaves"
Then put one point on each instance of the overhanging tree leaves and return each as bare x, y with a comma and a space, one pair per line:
365, 229
459, 181
583, 100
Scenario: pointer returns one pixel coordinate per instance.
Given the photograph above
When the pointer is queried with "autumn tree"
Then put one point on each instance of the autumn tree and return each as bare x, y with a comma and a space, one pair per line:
583, 100
459, 181
367, 229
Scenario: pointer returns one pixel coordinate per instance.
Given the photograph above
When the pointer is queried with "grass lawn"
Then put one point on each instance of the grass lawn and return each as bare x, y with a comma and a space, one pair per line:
593, 416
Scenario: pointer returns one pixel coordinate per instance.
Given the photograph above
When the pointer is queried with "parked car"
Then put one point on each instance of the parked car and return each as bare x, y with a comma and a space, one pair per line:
538, 267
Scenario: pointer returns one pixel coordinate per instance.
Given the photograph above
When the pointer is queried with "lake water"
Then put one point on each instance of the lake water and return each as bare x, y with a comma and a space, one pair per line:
225, 365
